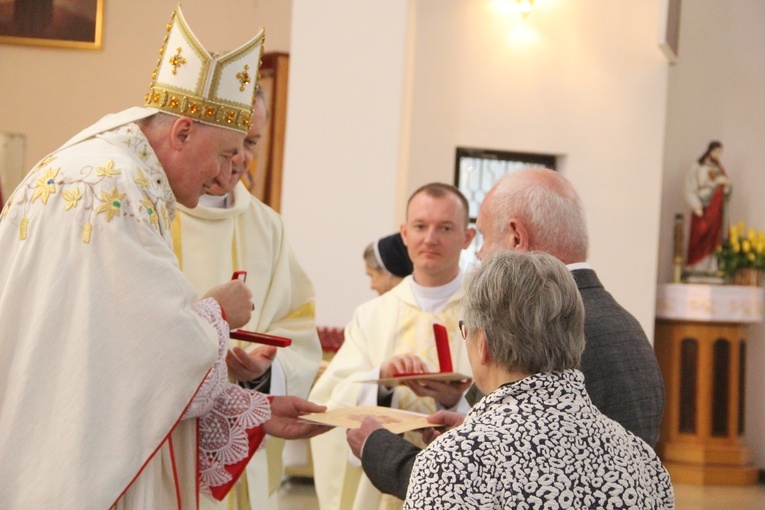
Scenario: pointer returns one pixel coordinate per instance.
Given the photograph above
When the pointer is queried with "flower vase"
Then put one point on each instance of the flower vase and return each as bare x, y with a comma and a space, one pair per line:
747, 276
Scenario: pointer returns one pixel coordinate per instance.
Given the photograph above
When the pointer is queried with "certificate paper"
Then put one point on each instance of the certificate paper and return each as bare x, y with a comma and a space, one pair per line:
430, 376
395, 420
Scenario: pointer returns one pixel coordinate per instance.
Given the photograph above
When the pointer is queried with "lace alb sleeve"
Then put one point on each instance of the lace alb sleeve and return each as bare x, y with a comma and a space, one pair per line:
217, 377
230, 417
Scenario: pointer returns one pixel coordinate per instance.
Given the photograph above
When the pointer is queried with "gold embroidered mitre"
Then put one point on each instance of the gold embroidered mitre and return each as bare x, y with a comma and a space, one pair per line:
217, 89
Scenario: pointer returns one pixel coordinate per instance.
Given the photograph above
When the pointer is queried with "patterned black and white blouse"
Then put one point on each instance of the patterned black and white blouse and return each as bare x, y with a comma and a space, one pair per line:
539, 443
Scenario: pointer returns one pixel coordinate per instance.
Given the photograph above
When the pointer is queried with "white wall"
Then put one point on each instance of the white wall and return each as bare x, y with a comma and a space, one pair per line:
584, 80
716, 91
344, 132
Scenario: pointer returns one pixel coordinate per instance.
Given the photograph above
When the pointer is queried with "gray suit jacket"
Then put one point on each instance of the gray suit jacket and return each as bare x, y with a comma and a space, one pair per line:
621, 374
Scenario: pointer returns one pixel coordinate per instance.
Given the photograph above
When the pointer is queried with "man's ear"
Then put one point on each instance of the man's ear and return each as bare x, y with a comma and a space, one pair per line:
469, 236
402, 231
181, 132
518, 235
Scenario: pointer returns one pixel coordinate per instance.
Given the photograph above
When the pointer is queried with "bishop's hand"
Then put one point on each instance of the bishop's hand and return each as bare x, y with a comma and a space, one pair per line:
246, 366
236, 300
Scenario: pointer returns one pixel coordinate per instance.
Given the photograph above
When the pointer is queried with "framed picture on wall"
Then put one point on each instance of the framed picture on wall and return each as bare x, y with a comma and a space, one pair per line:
264, 177
57, 23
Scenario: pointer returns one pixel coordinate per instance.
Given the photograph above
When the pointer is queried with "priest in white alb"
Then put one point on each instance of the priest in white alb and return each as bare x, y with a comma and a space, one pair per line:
392, 334
231, 230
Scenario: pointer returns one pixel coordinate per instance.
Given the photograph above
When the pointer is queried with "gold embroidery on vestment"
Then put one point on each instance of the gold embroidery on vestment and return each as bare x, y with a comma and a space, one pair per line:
86, 230
45, 185
107, 170
72, 196
112, 202
23, 229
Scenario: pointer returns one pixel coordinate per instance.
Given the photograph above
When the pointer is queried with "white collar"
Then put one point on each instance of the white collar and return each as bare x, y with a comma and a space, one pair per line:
433, 299
578, 265
214, 201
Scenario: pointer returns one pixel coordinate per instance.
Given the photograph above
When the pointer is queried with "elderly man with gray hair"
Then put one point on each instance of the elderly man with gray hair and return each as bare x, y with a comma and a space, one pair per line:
536, 438
539, 210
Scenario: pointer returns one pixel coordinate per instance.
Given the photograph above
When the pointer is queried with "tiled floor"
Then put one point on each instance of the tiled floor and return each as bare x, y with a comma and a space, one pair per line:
298, 494
714, 497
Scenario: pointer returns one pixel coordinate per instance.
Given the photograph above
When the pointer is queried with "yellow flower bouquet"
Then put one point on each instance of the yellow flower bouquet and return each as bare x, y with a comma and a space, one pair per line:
743, 249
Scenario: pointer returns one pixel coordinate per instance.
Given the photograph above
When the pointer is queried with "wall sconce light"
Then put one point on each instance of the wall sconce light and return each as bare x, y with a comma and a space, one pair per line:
525, 6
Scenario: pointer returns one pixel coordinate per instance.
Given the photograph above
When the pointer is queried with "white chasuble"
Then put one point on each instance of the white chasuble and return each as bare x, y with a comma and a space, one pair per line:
389, 325
109, 366
211, 243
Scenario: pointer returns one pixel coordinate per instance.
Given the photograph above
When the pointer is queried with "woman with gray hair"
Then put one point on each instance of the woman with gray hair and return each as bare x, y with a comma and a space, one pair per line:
535, 439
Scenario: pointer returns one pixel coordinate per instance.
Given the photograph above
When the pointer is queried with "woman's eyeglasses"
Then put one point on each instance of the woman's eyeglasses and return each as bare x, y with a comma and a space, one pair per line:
463, 329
